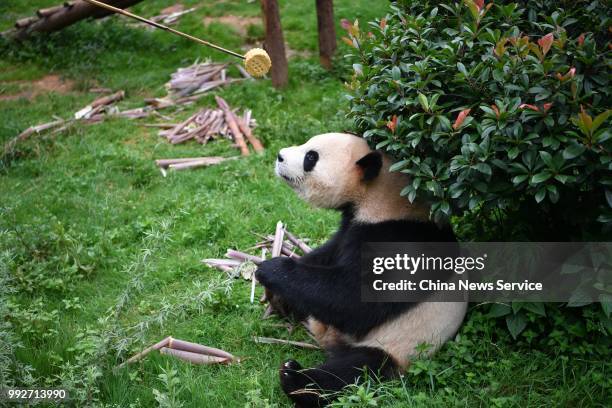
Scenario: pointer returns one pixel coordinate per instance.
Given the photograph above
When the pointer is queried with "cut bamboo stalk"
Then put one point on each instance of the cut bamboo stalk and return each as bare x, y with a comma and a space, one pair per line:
207, 161
300, 244
194, 358
107, 100
144, 352
161, 125
10, 145
243, 72
167, 162
238, 137
278, 240
177, 344
246, 130
270, 340
232, 253
180, 127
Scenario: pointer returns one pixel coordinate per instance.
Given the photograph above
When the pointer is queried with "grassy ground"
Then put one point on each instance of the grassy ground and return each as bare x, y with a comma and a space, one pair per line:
100, 255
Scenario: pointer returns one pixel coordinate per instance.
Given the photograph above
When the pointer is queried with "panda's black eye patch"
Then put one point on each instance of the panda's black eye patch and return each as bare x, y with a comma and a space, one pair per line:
310, 159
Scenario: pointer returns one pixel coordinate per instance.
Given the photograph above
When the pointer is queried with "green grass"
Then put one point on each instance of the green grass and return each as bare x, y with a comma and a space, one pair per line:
87, 222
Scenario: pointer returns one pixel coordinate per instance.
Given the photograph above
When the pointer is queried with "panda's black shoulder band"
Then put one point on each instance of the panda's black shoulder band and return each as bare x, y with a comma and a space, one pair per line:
371, 164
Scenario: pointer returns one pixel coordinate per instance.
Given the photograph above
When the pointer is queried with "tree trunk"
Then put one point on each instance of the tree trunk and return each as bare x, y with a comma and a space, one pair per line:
275, 43
327, 32
70, 15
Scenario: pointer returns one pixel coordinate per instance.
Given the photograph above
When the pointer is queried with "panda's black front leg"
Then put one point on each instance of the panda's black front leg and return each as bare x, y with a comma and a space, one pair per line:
324, 292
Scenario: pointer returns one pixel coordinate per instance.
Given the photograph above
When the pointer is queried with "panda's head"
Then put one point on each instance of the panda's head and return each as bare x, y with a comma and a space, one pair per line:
335, 169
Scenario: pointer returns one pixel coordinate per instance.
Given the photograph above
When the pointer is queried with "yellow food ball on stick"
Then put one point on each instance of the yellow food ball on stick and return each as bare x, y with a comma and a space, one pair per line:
256, 62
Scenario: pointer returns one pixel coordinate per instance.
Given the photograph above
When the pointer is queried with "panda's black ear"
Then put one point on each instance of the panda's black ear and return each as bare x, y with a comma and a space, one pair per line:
370, 164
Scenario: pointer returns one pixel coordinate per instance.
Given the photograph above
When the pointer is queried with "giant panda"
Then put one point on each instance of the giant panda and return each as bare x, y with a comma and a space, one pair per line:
340, 171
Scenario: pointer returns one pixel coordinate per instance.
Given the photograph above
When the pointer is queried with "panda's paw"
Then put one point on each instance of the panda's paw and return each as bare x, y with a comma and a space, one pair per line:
297, 385
274, 270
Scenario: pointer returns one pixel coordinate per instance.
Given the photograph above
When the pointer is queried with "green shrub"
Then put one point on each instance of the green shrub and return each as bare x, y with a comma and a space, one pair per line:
499, 112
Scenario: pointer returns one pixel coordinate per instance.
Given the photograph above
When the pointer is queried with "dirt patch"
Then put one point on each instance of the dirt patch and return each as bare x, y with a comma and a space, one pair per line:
239, 23
31, 89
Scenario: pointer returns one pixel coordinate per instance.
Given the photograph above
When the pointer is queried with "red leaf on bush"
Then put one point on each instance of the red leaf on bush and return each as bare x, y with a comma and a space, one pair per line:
479, 4
383, 24
568, 75
496, 110
392, 124
547, 106
348, 42
528, 106
581, 39
546, 42
344, 23
461, 118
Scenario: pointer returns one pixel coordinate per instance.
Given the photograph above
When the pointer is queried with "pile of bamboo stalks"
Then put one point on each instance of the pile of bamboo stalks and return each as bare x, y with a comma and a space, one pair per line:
282, 243
191, 83
95, 112
210, 123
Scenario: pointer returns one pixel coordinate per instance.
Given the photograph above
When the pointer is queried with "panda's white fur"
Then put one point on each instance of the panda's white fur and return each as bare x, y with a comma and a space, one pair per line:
336, 180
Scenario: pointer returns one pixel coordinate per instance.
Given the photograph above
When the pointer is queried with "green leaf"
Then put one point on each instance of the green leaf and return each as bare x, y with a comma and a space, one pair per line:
399, 165
483, 168
519, 179
599, 119
535, 307
541, 177
499, 310
606, 303
540, 195
573, 151
462, 69
516, 323
423, 101
547, 158
396, 73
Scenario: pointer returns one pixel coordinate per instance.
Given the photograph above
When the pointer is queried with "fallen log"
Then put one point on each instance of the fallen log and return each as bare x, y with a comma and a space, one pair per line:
70, 14
46, 12
25, 22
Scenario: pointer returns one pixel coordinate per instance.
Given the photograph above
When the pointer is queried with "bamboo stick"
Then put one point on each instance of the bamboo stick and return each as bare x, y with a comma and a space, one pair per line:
278, 240
177, 344
300, 244
144, 352
246, 130
194, 358
206, 161
238, 137
232, 253
270, 340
